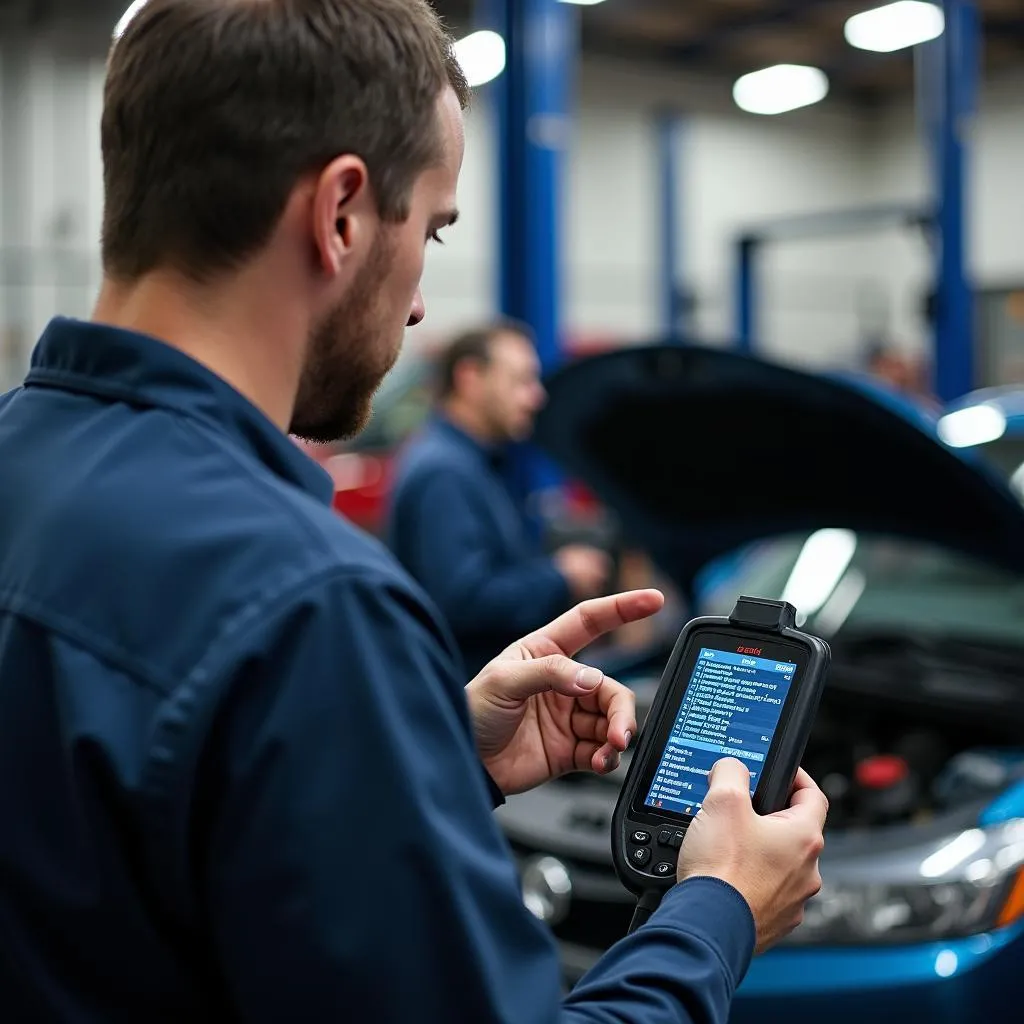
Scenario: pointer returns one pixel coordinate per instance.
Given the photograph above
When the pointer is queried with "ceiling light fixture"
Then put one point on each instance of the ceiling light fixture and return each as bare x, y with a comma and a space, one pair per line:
481, 55
780, 88
895, 26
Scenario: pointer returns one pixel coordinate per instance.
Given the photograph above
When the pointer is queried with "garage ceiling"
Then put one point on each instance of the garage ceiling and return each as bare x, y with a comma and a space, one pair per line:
732, 37
725, 37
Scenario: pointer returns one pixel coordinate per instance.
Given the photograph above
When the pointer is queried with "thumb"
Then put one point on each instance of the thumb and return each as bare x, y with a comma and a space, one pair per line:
521, 680
728, 784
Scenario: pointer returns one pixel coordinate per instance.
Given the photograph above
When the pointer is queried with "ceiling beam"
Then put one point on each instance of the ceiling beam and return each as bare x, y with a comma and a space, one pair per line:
726, 32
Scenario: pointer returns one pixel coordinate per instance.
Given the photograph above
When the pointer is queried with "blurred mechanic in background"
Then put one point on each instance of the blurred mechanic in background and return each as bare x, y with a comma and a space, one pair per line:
454, 522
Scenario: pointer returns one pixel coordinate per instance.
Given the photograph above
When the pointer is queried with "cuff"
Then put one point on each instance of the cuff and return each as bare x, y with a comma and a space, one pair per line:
715, 912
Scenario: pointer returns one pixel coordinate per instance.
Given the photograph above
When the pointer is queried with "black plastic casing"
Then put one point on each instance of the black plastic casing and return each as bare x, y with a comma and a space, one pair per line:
752, 620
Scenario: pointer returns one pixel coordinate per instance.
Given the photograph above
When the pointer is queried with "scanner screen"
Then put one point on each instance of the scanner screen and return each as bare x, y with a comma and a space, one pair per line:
730, 708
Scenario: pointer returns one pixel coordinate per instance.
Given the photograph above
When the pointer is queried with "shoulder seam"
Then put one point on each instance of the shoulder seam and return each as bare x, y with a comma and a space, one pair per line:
97, 647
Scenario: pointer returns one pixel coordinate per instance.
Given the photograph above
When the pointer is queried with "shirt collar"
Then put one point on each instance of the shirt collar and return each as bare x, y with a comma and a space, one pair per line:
117, 364
493, 454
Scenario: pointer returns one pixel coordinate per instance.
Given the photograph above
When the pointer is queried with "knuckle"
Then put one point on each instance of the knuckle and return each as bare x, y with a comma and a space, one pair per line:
728, 796
815, 845
588, 619
553, 665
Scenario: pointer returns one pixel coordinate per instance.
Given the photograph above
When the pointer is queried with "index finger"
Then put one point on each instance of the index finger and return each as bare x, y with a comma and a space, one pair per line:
589, 620
807, 798
617, 703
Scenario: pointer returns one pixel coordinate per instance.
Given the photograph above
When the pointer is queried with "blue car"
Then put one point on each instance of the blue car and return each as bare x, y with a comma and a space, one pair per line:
903, 546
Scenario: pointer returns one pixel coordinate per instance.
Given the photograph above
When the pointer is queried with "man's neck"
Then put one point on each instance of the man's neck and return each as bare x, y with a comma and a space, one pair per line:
232, 331
469, 421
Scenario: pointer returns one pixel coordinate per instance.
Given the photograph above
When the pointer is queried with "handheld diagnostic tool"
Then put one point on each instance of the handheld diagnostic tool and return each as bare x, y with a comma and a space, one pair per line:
746, 686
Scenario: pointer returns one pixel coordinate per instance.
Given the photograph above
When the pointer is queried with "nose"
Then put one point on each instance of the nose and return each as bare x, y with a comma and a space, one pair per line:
418, 311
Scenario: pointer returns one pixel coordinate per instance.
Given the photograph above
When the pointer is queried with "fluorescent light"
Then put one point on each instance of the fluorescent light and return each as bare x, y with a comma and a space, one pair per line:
979, 424
780, 88
895, 26
127, 17
582, 3
481, 56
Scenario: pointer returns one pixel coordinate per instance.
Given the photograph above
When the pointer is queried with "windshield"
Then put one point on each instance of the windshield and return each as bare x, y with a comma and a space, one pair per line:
845, 584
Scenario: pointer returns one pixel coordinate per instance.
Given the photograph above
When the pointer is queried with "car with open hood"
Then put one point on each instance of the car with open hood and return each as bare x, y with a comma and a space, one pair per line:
907, 556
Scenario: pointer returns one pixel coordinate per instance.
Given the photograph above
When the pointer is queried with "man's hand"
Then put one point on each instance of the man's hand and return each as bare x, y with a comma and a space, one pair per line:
538, 714
586, 570
771, 859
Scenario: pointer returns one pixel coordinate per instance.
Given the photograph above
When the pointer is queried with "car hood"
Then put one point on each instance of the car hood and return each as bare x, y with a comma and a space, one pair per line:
699, 451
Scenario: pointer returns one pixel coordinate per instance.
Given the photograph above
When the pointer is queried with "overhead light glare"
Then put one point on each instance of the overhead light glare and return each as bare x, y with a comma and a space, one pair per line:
895, 26
481, 55
582, 3
977, 424
820, 566
780, 88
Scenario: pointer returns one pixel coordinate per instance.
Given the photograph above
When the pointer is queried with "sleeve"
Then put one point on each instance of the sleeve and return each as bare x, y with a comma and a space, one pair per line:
352, 870
443, 541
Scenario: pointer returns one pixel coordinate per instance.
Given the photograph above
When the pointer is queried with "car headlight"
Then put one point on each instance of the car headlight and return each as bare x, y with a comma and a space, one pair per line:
962, 885
547, 889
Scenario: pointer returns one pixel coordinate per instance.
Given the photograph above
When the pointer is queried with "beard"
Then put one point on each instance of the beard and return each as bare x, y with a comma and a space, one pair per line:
347, 358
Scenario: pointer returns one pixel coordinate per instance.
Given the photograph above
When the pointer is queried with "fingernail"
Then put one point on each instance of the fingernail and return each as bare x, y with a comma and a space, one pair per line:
629, 736
587, 678
607, 762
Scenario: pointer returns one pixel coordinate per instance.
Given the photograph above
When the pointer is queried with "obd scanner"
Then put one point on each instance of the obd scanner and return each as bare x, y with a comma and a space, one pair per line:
746, 686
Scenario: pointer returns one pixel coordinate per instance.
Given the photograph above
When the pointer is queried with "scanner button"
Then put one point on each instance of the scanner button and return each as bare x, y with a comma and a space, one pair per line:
640, 856
640, 838
665, 837
663, 869
677, 840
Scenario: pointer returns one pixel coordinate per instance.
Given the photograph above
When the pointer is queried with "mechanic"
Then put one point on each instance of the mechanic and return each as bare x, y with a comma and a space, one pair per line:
453, 521
240, 778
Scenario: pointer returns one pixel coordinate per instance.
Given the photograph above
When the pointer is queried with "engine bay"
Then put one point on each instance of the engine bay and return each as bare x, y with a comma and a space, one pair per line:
882, 763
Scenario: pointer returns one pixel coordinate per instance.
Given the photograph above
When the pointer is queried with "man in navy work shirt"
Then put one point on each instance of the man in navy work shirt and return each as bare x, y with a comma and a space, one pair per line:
240, 778
453, 522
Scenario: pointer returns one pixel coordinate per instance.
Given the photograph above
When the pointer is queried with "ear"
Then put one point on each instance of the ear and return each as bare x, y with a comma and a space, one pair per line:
344, 213
466, 374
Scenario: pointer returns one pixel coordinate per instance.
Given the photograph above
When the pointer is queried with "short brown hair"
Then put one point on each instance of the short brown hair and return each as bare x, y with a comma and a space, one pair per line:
214, 109
473, 345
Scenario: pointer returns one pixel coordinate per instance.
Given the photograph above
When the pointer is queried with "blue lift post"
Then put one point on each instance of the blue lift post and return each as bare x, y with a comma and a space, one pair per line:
530, 103
671, 127
952, 70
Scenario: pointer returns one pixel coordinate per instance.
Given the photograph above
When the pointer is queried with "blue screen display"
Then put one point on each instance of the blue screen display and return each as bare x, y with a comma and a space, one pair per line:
731, 708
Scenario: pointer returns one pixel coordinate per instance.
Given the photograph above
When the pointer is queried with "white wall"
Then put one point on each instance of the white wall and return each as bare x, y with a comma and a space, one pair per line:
736, 171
